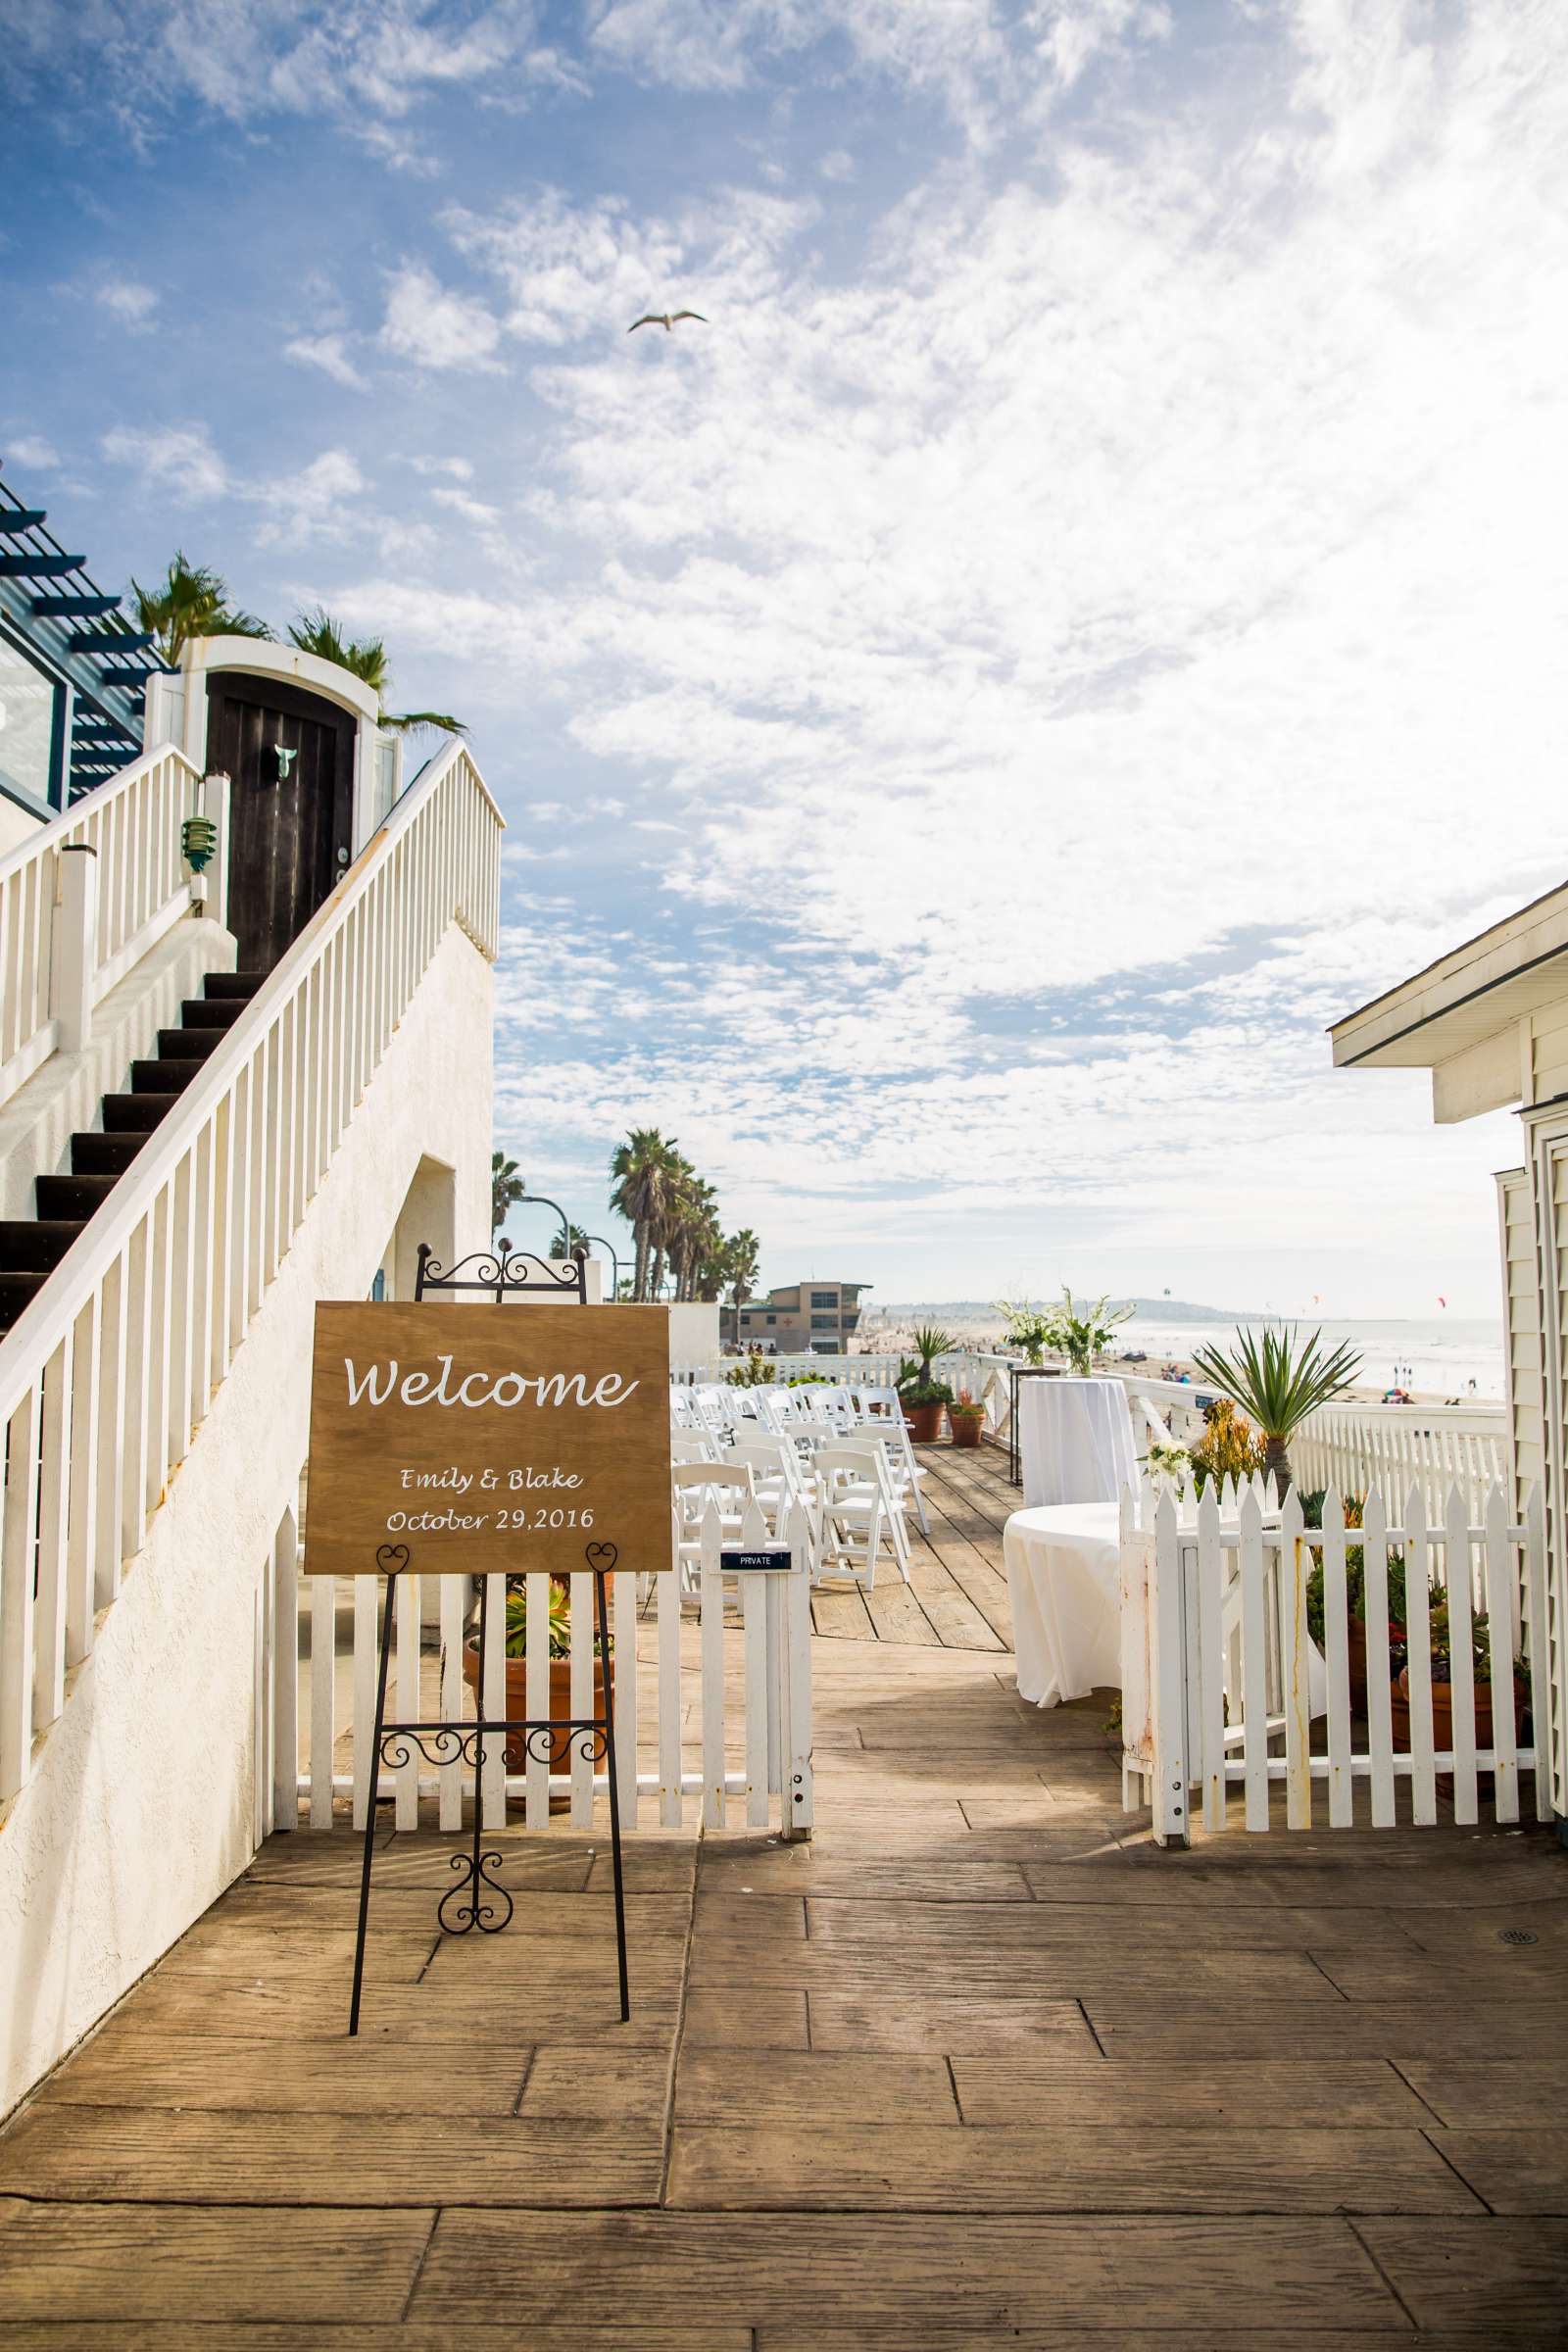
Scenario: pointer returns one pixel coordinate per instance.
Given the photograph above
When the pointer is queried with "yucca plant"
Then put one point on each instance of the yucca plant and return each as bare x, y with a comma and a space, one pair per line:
917, 1382
1279, 1381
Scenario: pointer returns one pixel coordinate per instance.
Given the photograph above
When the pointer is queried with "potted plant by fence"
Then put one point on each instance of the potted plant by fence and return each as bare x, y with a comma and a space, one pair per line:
1279, 1381
558, 1745
921, 1395
1229, 1447
1080, 1333
1354, 1598
967, 1418
1441, 1643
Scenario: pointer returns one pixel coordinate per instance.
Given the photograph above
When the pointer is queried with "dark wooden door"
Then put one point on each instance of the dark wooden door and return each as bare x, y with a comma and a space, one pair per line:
289, 756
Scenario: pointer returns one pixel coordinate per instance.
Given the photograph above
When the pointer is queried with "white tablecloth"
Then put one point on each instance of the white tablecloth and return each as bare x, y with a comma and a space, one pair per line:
1063, 1579
1075, 1440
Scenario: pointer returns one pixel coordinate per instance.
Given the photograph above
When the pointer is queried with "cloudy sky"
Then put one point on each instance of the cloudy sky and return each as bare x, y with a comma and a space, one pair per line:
1086, 610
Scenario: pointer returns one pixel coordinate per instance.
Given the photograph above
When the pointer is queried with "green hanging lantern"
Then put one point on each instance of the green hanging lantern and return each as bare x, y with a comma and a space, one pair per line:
198, 839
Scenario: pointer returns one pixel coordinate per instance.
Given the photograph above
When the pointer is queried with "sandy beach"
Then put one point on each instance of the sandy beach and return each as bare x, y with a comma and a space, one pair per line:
1425, 1367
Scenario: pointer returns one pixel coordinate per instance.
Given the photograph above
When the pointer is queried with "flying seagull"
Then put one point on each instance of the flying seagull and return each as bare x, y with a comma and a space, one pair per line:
665, 319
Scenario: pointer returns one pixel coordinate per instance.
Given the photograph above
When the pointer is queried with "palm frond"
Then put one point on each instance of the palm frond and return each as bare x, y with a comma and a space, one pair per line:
1279, 1379
401, 719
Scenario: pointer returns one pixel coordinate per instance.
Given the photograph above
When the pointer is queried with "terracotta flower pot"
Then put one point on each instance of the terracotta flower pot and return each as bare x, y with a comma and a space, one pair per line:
559, 1742
1443, 1711
925, 1422
1355, 1650
965, 1427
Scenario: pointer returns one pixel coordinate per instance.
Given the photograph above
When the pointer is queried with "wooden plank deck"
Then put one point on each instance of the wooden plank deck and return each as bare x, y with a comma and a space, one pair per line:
956, 1596
979, 2067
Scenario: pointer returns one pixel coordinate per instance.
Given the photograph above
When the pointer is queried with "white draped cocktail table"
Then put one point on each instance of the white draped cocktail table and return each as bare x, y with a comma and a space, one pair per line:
1064, 1581
1075, 1440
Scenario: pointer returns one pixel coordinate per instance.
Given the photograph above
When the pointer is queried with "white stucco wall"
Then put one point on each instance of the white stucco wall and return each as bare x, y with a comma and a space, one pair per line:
694, 1336
140, 1808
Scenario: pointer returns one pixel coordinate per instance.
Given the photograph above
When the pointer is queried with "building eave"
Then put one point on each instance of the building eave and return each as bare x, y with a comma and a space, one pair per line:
1466, 996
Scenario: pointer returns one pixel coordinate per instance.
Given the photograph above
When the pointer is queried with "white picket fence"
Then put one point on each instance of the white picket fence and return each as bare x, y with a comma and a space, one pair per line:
750, 1755
1352, 1446
984, 1376
1224, 1687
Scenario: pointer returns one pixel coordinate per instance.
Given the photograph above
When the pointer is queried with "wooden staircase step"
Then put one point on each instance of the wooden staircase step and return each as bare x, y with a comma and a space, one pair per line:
16, 1290
135, 1114
211, 1012
188, 1045
34, 1245
169, 1074
103, 1154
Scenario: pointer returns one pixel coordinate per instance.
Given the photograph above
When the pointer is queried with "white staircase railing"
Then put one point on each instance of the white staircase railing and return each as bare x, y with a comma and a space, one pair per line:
133, 826
109, 1370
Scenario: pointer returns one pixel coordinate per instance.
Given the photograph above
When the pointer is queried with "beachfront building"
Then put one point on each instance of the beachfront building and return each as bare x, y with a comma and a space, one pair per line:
1490, 1020
805, 1318
245, 1064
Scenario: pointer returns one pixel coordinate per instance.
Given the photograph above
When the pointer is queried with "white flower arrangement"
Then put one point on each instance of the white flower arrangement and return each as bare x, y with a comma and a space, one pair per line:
1167, 1463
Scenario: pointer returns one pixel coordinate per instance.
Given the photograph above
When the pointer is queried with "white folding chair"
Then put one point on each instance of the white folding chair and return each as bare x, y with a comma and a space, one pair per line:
853, 1509
693, 1486
714, 1407
833, 1404
782, 1484
878, 1450
880, 1409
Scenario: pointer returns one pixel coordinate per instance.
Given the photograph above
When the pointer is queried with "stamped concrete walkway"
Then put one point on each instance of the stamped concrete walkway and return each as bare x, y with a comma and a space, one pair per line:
979, 2068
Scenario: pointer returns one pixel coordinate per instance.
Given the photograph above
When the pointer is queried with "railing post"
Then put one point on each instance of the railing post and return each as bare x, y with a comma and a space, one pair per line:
76, 945
212, 799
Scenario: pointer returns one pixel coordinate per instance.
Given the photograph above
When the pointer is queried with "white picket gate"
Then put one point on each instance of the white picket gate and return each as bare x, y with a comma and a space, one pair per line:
753, 1672
1224, 1687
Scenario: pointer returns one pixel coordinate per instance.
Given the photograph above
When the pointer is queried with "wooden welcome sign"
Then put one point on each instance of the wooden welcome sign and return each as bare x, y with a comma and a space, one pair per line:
488, 1439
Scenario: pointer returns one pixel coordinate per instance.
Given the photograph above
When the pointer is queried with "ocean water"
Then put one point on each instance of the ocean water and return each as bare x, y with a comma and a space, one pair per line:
1436, 1355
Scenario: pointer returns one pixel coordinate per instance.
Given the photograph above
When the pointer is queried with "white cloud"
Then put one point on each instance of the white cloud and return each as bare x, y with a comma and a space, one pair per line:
369, 64
436, 328
572, 273
325, 498
328, 353
1135, 588
176, 457
984, 59
128, 301
31, 449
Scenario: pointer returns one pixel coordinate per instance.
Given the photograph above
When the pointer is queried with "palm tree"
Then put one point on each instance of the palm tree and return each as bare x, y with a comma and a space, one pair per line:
320, 634
742, 1252
642, 1171
692, 1229
507, 1186
668, 1234
569, 1239
190, 601
1278, 1384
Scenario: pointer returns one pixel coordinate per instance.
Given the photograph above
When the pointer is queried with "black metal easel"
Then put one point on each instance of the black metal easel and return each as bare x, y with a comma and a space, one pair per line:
394, 1744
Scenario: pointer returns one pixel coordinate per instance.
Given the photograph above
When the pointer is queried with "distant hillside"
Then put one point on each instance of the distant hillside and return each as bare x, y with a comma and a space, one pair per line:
1146, 1310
